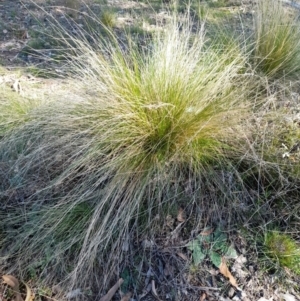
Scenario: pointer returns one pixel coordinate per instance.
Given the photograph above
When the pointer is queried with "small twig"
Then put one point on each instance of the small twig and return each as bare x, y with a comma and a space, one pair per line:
204, 288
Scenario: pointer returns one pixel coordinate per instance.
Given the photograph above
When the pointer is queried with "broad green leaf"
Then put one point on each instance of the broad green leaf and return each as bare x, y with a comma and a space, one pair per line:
221, 246
125, 275
218, 233
198, 254
215, 258
206, 235
231, 253
220, 241
192, 245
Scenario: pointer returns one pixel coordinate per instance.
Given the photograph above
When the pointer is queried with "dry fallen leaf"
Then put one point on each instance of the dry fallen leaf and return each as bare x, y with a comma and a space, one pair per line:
112, 291
183, 256
181, 215
202, 297
224, 270
207, 231
154, 292
13, 282
29, 294
126, 297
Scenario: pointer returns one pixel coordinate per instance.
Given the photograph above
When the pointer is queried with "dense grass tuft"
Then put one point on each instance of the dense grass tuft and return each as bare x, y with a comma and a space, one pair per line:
91, 169
283, 249
277, 40
14, 109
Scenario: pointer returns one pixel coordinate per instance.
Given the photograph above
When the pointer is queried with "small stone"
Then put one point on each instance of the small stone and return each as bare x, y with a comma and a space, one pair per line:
74, 294
5, 31
231, 292
147, 244
288, 297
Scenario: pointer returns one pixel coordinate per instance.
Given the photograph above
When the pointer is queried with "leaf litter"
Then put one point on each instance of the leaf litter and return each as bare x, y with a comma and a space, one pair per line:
14, 283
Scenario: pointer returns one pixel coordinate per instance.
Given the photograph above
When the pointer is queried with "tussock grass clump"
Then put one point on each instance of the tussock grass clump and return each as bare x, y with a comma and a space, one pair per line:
108, 18
91, 167
14, 109
277, 40
284, 250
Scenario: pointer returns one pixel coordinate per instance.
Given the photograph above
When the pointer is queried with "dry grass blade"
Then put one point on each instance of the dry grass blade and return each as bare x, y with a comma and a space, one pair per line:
126, 297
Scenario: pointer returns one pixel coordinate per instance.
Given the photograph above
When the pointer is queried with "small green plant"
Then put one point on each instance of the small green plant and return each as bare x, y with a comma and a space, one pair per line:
108, 18
136, 30
284, 250
14, 109
211, 15
13, 14
34, 45
277, 40
41, 73
213, 244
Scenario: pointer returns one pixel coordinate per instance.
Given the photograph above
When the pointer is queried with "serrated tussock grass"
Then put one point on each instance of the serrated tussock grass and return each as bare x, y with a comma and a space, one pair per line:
14, 109
88, 168
283, 249
277, 40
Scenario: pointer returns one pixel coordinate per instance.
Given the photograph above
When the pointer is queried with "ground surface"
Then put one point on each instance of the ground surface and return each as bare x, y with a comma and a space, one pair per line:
169, 270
